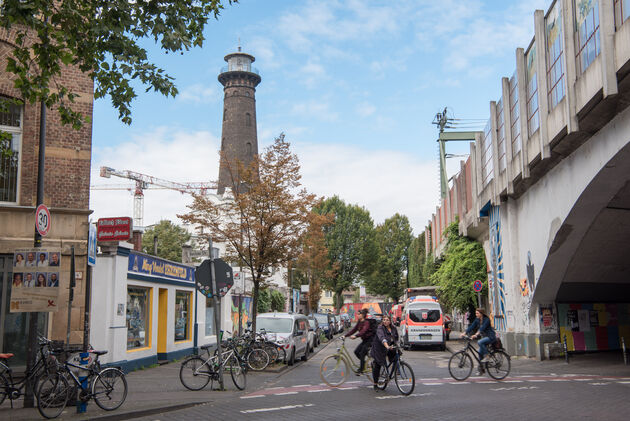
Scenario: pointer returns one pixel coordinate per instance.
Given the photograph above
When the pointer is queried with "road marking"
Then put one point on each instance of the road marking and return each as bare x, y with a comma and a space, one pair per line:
560, 380
319, 390
512, 381
252, 397
460, 383
624, 382
487, 381
277, 408
301, 385
537, 380
599, 384
514, 388
433, 384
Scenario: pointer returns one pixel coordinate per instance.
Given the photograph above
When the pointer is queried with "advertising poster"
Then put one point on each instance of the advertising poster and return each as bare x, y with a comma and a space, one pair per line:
572, 320
35, 284
584, 321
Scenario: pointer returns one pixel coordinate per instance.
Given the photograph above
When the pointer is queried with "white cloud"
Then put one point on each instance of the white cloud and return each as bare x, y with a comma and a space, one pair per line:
366, 109
311, 73
199, 94
173, 155
315, 109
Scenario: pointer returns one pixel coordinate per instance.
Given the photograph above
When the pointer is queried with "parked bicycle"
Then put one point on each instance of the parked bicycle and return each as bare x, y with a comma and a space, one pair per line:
400, 371
108, 387
335, 368
44, 364
252, 352
461, 363
196, 372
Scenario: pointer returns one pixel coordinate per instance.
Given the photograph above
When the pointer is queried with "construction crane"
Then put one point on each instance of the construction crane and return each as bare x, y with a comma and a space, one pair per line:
143, 182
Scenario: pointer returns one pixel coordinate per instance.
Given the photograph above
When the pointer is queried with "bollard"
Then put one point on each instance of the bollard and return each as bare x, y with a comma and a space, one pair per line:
84, 360
623, 349
566, 350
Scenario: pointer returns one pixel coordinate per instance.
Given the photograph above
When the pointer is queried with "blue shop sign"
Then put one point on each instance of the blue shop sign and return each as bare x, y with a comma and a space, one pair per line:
154, 266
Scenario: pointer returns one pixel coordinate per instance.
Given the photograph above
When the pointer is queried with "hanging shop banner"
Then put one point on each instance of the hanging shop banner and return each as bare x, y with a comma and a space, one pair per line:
114, 229
154, 266
35, 283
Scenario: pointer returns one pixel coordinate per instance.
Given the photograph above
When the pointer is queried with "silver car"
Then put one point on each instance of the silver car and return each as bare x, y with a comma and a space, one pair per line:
288, 330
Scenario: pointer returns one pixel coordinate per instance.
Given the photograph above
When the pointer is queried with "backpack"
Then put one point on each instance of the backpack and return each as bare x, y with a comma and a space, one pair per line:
372, 329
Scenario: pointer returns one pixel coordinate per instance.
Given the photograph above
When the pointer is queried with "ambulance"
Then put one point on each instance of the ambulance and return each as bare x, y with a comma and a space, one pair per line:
422, 322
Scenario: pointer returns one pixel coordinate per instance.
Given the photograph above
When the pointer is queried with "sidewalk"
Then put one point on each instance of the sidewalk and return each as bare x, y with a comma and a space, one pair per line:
604, 363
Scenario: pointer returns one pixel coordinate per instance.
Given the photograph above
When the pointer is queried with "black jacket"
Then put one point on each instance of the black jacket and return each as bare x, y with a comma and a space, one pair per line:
379, 352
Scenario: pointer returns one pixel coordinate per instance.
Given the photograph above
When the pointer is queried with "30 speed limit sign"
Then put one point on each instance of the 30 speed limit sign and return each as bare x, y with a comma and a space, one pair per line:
42, 220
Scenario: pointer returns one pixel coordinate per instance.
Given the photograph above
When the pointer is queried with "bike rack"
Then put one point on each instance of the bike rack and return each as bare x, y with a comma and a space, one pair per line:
566, 350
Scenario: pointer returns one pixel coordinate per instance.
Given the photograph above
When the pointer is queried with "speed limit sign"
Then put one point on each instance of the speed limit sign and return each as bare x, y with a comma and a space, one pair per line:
42, 220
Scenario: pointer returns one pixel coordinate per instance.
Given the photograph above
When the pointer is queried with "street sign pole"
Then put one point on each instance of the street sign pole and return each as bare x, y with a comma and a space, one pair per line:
216, 313
479, 299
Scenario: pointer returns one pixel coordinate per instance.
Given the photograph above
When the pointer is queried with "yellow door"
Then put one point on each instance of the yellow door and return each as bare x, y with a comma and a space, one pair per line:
162, 313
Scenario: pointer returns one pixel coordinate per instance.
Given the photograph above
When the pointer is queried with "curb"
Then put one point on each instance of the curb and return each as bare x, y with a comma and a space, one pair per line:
146, 412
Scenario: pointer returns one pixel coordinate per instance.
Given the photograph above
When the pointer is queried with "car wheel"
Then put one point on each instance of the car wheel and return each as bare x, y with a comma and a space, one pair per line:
305, 356
291, 360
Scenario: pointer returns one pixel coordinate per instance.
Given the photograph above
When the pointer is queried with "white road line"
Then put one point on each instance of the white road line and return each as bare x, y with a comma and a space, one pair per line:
459, 383
285, 393
349, 388
512, 381
624, 382
487, 381
537, 380
252, 397
560, 380
433, 384
599, 384
278, 408
274, 388
583, 380
319, 390
390, 397
301, 385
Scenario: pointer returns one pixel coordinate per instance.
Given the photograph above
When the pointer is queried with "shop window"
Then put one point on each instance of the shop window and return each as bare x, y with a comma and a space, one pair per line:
10, 140
209, 317
138, 317
587, 32
182, 315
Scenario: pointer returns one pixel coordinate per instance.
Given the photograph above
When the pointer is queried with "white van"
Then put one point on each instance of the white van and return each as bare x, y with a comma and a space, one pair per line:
288, 330
422, 323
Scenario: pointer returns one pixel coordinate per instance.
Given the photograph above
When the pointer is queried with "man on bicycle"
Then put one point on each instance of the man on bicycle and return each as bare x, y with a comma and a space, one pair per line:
364, 331
482, 323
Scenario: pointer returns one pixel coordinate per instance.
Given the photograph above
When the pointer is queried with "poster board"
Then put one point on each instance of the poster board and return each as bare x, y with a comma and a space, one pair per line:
35, 283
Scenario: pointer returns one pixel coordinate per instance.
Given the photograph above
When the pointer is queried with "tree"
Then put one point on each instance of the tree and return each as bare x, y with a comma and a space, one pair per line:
264, 301
417, 258
102, 39
464, 262
170, 238
277, 301
264, 220
393, 239
350, 242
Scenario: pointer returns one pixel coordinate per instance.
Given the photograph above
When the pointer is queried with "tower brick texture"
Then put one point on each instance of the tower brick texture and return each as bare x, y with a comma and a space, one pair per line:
239, 139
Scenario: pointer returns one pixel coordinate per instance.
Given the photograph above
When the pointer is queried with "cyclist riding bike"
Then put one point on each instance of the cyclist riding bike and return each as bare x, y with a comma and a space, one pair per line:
482, 323
364, 331
382, 347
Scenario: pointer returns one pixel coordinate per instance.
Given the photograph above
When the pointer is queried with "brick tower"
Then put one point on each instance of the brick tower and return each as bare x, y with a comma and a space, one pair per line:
239, 140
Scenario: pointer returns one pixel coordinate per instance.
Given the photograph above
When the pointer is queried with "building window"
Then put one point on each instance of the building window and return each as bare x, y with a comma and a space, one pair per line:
533, 121
248, 119
487, 167
138, 317
248, 150
622, 12
10, 145
224, 114
501, 137
515, 121
328, 294
587, 33
182, 315
209, 317
555, 69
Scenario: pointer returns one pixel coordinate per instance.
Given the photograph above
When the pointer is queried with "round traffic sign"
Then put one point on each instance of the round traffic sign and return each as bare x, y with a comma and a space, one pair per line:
477, 285
42, 220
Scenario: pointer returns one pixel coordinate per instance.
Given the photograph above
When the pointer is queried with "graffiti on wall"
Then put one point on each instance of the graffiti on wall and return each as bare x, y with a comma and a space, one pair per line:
373, 308
246, 312
496, 276
594, 326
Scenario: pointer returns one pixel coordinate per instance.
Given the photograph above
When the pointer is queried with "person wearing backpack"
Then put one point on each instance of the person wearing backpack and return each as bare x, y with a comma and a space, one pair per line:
365, 330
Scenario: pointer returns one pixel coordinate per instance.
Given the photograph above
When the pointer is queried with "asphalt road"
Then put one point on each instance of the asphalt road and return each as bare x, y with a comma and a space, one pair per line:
531, 391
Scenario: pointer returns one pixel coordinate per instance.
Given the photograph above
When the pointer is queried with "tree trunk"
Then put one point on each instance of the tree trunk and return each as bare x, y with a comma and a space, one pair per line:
255, 303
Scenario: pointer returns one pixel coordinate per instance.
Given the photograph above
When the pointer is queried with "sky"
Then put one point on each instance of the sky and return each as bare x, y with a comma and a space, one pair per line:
354, 85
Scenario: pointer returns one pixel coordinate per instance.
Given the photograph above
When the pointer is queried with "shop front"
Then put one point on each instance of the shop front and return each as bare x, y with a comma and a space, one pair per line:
143, 309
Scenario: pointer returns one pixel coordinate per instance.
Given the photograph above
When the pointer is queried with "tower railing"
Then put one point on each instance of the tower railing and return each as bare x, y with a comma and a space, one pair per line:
238, 68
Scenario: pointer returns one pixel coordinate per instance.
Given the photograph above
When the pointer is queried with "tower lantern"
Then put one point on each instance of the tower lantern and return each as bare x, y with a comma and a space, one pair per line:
239, 139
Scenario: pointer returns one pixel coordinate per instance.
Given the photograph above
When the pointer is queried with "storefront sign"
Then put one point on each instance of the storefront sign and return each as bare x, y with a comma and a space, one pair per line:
35, 283
92, 245
114, 229
154, 266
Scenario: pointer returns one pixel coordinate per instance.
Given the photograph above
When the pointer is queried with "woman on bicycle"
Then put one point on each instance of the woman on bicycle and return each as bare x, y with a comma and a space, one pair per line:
386, 336
482, 323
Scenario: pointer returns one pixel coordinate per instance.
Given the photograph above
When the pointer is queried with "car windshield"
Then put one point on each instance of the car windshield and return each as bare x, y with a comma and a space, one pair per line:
322, 319
424, 315
274, 325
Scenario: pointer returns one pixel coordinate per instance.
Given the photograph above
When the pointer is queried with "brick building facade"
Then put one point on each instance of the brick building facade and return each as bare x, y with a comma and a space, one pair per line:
66, 194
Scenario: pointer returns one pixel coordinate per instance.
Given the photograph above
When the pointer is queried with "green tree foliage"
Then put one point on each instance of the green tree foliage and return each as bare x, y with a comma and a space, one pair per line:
417, 258
350, 240
170, 237
278, 301
393, 239
104, 40
264, 301
464, 262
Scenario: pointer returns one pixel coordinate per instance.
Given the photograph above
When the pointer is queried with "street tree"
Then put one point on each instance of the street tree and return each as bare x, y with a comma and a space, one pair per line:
103, 39
417, 257
278, 301
463, 262
170, 239
393, 238
265, 217
351, 245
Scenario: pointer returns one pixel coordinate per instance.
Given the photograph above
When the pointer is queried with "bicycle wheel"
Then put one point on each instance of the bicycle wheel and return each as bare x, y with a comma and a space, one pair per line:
282, 354
257, 359
460, 365
237, 372
193, 374
109, 389
405, 379
4, 384
52, 394
334, 370
272, 351
499, 365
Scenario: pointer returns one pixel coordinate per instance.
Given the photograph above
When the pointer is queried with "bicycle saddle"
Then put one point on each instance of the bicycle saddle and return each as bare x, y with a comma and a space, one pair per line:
99, 352
6, 356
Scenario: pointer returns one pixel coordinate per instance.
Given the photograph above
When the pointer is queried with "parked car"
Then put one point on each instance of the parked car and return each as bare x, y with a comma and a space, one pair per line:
338, 325
325, 323
288, 330
313, 334
345, 318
